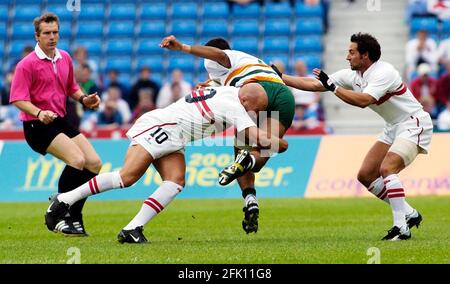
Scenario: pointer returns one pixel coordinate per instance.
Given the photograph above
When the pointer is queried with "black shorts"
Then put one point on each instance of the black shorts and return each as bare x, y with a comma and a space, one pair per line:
40, 135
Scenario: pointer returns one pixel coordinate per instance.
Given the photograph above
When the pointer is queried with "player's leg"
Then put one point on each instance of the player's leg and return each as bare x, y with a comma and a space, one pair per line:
172, 170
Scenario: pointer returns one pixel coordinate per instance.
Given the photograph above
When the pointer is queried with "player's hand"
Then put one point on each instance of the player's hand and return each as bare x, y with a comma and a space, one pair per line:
92, 101
324, 79
47, 116
171, 43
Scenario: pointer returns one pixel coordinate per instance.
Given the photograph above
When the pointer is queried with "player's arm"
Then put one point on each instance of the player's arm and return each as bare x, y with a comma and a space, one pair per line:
207, 52
91, 101
301, 83
264, 140
351, 97
45, 116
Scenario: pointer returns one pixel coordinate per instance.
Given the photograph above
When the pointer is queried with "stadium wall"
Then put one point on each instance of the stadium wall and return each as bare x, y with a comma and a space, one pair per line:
313, 167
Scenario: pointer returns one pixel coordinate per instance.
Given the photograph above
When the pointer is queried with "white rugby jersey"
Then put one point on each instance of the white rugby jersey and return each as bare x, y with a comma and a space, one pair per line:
245, 68
206, 111
395, 102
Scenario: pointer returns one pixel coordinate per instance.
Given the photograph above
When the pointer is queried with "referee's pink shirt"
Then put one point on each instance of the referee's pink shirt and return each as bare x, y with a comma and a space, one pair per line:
44, 82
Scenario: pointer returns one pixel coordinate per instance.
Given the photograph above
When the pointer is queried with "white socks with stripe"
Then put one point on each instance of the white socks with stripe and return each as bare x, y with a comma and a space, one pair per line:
378, 189
165, 193
396, 195
100, 183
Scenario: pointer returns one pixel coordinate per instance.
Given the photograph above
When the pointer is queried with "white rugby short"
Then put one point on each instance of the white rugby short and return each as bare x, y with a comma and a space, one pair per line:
416, 128
158, 136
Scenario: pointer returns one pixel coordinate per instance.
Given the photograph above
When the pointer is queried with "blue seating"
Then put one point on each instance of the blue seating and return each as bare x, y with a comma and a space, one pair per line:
65, 30
3, 12
149, 46
308, 44
303, 10
125, 11
122, 64
213, 10
61, 11
152, 28
64, 44
277, 10
247, 27
311, 60
154, 11
121, 29
245, 44
279, 27
26, 13
429, 24
185, 63
276, 44
93, 46
117, 47
92, 12
249, 11
184, 10
215, 28
23, 30
2, 31
90, 29
272, 57
155, 62
183, 28
445, 26
18, 45
309, 26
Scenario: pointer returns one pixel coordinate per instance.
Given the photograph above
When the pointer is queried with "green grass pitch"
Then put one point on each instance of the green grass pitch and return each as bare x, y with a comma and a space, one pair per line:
209, 232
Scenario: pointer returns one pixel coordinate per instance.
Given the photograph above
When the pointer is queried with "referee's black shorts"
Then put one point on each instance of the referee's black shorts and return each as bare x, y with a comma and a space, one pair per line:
40, 135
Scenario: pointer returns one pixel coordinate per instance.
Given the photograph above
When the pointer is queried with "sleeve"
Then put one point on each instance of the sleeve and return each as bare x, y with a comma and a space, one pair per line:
342, 78
72, 85
241, 120
215, 70
380, 84
21, 83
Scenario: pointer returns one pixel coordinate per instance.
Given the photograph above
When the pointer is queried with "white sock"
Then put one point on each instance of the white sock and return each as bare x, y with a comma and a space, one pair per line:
250, 198
165, 193
100, 183
396, 195
378, 189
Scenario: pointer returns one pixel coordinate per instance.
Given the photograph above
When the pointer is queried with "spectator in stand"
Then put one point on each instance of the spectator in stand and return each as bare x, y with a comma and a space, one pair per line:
305, 118
113, 81
9, 118
6, 89
25, 51
424, 88
110, 116
76, 112
166, 95
145, 104
443, 121
443, 55
421, 49
443, 90
81, 58
144, 82
114, 94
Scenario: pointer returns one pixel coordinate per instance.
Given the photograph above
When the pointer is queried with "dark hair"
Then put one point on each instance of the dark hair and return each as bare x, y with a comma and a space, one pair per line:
218, 42
45, 18
367, 43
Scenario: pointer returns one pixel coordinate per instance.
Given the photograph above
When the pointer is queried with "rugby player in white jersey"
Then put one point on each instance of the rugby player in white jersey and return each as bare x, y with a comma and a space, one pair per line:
159, 137
227, 67
376, 84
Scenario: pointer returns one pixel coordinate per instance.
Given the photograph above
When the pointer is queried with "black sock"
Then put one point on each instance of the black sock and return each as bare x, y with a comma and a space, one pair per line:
247, 191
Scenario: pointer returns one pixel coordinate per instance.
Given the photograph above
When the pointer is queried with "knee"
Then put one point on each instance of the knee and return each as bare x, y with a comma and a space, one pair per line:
178, 180
386, 170
365, 178
94, 165
77, 162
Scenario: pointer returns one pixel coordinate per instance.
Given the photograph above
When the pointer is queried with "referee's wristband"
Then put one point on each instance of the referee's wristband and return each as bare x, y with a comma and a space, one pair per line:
81, 99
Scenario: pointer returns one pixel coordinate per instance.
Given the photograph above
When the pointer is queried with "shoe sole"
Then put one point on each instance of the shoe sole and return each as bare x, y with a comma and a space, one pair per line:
252, 223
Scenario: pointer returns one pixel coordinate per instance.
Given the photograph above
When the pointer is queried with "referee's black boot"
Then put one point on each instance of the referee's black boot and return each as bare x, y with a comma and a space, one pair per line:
56, 212
79, 225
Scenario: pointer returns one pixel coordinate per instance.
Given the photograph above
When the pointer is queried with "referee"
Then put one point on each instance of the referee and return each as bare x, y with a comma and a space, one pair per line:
41, 83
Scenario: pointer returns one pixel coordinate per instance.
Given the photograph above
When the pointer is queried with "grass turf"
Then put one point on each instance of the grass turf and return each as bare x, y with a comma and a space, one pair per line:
209, 231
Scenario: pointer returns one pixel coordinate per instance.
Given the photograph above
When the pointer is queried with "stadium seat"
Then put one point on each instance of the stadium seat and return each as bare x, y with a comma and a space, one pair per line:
185, 10
309, 27
90, 29
64, 44
22, 30
120, 11
311, 60
213, 10
308, 44
214, 28
61, 11
26, 12
185, 63
445, 26
271, 57
155, 62
3, 13
93, 46
427, 23
154, 11
276, 44
92, 12
183, 28
279, 27
119, 46
120, 29
248, 27
152, 28
2, 31
17, 47
303, 10
122, 64
277, 10
249, 11
149, 46
246, 44
65, 30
